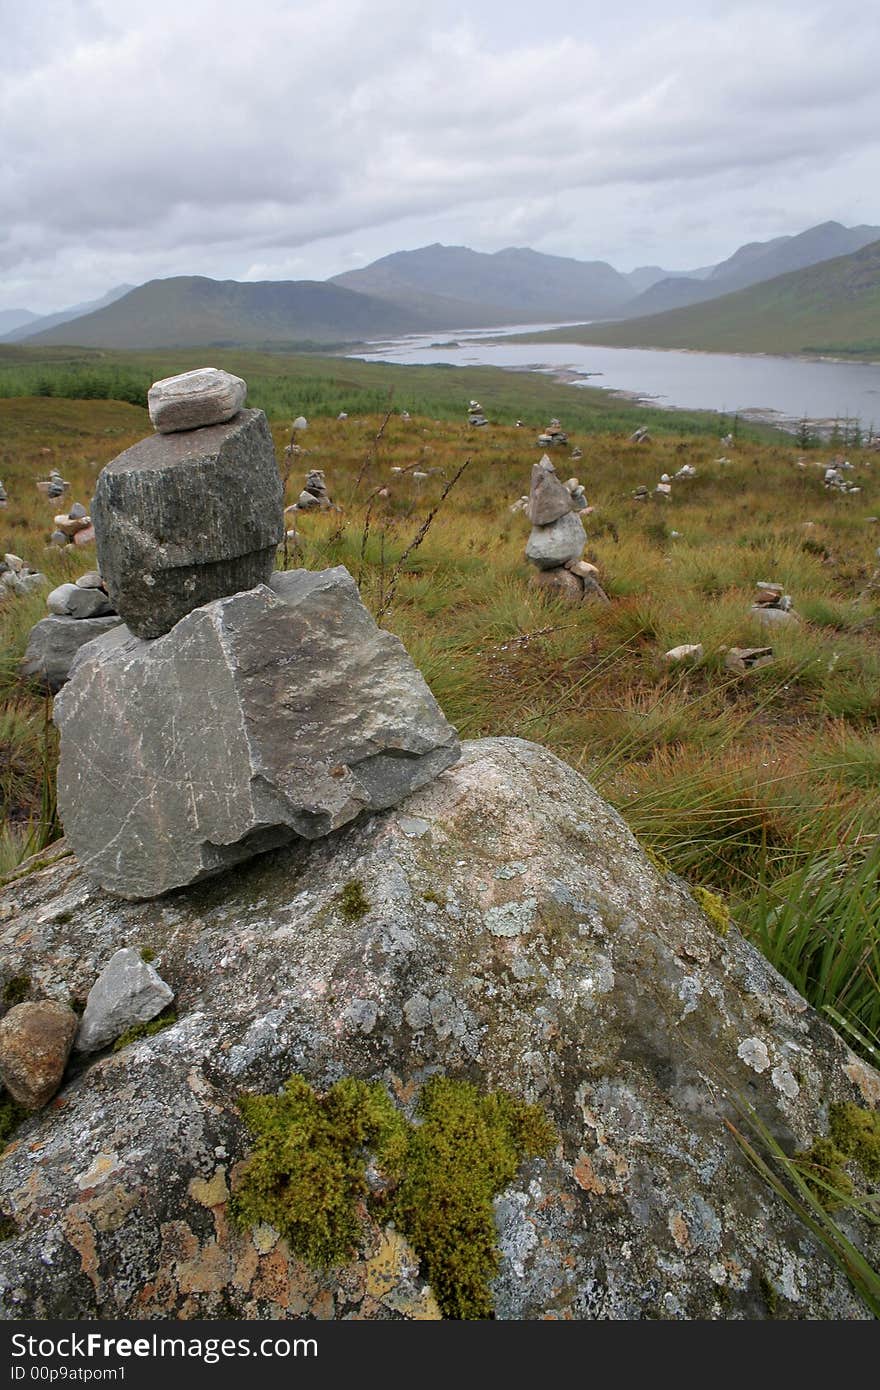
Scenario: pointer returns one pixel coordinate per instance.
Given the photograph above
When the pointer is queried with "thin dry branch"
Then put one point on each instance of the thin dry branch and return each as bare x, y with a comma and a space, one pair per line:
415, 543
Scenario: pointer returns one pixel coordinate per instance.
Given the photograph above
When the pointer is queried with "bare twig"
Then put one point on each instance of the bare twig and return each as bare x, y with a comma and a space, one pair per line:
370, 455
416, 542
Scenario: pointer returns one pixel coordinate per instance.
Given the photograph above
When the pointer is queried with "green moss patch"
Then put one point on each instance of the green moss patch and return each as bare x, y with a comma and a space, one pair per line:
144, 1030
353, 902
466, 1150
715, 908
822, 1168
853, 1138
308, 1167
856, 1132
308, 1172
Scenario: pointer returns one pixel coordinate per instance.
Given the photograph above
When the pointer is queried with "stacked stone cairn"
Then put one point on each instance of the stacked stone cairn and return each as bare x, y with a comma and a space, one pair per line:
557, 541
314, 493
17, 577
54, 485
475, 414
553, 436
235, 709
73, 527
771, 604
78, 613
835, 481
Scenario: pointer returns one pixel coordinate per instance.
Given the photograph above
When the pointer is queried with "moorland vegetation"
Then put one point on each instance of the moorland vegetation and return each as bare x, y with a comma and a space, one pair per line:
760, 788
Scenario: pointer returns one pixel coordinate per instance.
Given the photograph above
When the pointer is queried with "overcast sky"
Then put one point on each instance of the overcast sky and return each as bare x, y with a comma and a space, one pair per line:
280, 140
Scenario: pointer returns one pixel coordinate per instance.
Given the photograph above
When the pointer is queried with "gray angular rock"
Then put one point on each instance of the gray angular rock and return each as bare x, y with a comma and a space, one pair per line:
88, 603
55, 642
206, 396
548, 547
277, 712
35, 1042
127, 991
181, 519
549, 498
513, 933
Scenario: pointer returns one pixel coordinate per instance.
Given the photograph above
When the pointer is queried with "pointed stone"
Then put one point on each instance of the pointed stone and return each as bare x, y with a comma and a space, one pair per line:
128, 991
549, 499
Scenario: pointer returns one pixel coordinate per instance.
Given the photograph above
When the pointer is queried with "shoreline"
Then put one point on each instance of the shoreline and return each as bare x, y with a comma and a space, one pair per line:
527, 339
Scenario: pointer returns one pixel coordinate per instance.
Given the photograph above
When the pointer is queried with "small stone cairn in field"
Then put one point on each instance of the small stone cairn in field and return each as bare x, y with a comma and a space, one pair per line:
73, 527
771, 605
17, 577
54, 485
553, 437
314, 494
556, 544
234, 708
78, 613
475, 414
835, 481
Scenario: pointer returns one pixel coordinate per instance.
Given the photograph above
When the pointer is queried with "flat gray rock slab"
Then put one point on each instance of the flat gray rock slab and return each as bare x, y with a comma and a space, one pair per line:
181, 519
206, 396
55, 642
283, 711
128, 991
551, 546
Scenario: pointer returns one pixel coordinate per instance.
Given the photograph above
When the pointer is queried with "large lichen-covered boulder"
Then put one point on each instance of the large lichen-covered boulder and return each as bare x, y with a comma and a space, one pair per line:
276, 712
181, 519
501, 926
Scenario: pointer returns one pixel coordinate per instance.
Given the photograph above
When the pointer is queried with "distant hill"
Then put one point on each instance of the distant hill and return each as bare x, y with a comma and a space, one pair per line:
750, 265
460, 288
833, 307
191, 311
40, 323
644, 276
11, 319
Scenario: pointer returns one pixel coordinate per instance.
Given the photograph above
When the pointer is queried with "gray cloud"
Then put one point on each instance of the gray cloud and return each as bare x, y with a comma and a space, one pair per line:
283, 139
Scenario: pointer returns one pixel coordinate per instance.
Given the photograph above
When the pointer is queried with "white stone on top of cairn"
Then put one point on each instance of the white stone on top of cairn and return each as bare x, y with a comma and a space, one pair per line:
191, 400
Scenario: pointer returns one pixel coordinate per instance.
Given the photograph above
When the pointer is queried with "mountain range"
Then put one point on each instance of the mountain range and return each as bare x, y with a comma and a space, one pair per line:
831, 308
435, 288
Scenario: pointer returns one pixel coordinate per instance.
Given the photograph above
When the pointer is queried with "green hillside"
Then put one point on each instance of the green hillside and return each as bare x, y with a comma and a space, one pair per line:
831, 308
189, 309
